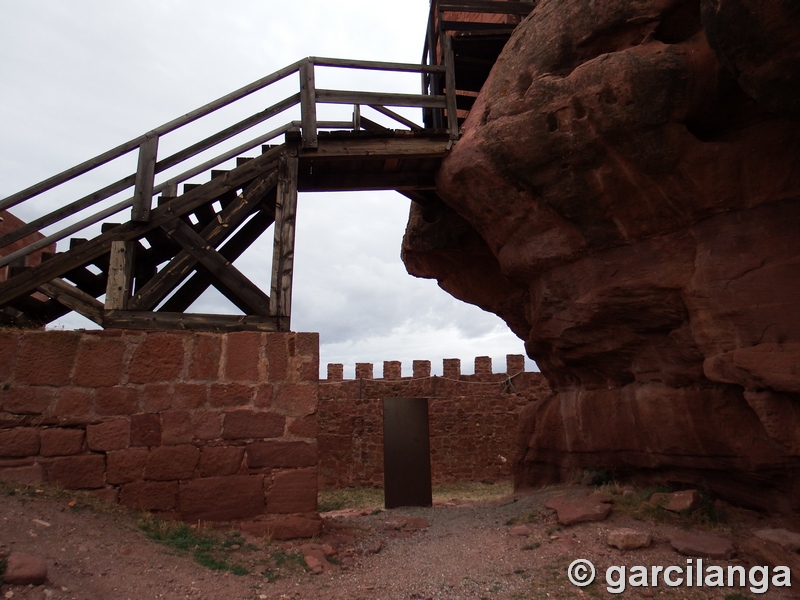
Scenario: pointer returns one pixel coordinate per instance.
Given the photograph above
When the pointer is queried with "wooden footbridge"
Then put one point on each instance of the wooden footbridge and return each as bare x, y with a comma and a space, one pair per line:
151, 255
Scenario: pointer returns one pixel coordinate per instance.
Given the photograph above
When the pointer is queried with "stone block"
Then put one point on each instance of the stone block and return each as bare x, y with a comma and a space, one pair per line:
61, 441
277, 357
703, 545
247, 424
27, 400
264, 395
176, 427
100, 362
159, 357
335, 372
189, 395
125, 466
296, 399
392, 369
243, 356
230, 395
222, 498
421, 368
111, 435
150, 495
171, 462
24, 569
626, 538
483, 365
9, 344
304, 427
145, 430
219, 461
24, 475
156, 397
280, 454
293, 492
451, 367
207, 425
46, 357
19, 442
307, 344
364, 371
206, 356
515, 363
78, 472
73, 402
113, 401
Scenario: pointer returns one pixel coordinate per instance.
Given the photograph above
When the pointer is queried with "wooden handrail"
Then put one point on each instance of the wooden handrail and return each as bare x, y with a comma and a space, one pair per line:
150, 165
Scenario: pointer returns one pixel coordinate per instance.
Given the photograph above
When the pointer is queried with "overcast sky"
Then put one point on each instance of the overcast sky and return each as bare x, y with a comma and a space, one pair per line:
79, 77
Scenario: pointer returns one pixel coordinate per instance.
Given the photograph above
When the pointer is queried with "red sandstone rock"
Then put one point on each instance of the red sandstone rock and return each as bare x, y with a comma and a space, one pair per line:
704, 545
629, 539
578, 510
78, 472
61, 442
281, 454
623, 197
685, 500
25, 569
217, 461
111, 435
18, 442
150, 495
171, 462
293, 491
788, 540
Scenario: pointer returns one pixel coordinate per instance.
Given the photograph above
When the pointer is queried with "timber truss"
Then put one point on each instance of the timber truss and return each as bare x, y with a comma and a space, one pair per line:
148, 257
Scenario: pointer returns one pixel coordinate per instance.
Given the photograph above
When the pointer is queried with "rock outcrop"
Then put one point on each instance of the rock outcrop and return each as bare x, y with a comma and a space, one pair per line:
625, 196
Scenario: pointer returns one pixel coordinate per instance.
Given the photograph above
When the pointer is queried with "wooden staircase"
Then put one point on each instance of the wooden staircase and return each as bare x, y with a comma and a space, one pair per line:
157, 251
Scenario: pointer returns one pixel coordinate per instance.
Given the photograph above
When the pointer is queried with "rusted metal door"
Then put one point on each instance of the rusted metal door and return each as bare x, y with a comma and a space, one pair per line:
406, 453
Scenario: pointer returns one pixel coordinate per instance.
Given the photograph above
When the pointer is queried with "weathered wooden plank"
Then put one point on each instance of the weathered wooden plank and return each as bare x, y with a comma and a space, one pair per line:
333, 181
145, 179
450, 86
130, 231
380, 147
397, 117
216, 232
382, 98
74, 299
283, 247
484, 6
192, 322
308, 104
120, 275
229, 277
199, 282
372, 65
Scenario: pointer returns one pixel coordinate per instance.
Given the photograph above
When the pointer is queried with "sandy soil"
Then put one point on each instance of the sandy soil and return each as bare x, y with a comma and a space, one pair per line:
455, 550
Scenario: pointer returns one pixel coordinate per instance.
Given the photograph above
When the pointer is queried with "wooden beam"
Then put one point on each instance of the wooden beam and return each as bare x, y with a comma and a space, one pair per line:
308, 104
74, 299
450, 86
399, 118
283, 247
215, 233
336, 181
145, 174
483, 6
192, 322
229, 277
382, 147
120, 275
382, 98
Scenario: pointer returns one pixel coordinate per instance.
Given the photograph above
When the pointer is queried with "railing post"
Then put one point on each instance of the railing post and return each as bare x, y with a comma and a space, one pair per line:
120, 275
145, 179
280, 300
308, 104
450, 86
356, 117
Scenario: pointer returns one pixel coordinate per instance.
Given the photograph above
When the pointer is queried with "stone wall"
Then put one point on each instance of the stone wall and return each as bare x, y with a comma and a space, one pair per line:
200, 426
473, 419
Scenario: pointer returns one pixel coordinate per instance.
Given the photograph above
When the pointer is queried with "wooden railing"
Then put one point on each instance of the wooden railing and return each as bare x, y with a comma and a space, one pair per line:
143, 184
438, 48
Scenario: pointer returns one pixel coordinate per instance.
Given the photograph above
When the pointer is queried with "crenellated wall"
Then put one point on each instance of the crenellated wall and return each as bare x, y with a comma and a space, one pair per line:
201, 426
473, 419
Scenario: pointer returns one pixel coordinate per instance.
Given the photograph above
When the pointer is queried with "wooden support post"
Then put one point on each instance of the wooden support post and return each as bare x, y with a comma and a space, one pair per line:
145, 176
283, 248
308, 104
120, 276
356, 117
450, 86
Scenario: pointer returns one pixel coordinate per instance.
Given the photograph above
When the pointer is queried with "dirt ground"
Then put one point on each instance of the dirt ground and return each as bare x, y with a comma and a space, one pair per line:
458, 549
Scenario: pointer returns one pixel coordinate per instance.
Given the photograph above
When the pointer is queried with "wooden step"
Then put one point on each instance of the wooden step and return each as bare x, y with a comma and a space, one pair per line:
242, 160
218, 173
108, 227
75, 242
